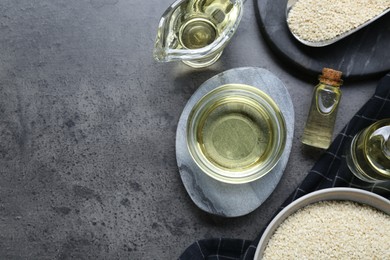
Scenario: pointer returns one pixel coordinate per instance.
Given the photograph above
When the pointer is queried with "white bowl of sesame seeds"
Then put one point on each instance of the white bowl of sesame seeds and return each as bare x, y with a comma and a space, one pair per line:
334, 223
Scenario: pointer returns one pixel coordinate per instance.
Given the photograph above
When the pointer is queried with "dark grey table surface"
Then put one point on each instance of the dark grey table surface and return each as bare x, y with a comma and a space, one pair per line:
87, 132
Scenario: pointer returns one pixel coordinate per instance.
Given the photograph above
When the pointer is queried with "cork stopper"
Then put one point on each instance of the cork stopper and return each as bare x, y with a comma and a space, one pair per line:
331, 77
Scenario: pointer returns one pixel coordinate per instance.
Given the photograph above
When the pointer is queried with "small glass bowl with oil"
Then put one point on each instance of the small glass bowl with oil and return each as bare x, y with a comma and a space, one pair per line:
236, 133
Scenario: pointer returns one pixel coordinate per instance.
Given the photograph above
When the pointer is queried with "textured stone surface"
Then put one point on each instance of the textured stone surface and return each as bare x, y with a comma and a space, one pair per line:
87, 132
223, 199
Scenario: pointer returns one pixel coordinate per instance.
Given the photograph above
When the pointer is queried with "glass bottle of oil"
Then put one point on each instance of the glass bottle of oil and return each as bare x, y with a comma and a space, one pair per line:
319, 126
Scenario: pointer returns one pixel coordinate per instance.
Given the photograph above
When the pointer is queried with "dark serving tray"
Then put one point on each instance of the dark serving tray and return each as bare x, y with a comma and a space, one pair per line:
364, 54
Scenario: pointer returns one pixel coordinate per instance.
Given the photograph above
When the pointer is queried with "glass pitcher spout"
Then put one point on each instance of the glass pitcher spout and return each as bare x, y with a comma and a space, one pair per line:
196, 31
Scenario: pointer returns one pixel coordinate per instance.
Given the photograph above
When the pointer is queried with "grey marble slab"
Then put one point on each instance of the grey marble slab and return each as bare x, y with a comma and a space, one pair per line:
232, 200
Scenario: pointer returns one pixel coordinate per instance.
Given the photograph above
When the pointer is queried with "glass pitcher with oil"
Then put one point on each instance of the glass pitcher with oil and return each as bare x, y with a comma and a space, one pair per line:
196, 31
368, 156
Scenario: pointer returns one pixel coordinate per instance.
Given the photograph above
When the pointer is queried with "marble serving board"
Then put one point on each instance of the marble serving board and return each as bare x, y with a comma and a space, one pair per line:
233, 200
364, 54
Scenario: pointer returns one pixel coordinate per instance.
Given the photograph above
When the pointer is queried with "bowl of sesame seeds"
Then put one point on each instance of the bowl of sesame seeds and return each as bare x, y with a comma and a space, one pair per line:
334, 223
318, 23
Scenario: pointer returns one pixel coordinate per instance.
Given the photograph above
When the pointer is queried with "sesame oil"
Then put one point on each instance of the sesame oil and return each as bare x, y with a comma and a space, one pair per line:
323, 110
368, 156
203, 22
235, 134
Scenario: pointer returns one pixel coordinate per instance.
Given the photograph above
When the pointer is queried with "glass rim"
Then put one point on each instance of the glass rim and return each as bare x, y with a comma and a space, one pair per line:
277, 125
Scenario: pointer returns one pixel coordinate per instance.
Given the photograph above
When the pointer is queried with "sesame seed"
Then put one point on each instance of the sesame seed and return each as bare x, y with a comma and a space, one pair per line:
332, 230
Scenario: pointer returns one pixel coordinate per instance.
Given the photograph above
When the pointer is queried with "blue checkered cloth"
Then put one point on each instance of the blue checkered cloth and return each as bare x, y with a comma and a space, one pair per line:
329, 171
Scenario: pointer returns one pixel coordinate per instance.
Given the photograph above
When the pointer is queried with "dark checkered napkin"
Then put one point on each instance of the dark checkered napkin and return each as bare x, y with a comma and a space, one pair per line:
329, 171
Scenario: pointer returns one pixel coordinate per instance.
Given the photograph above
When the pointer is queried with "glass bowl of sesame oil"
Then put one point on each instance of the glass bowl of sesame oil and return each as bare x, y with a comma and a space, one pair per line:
196, 31
236, 133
